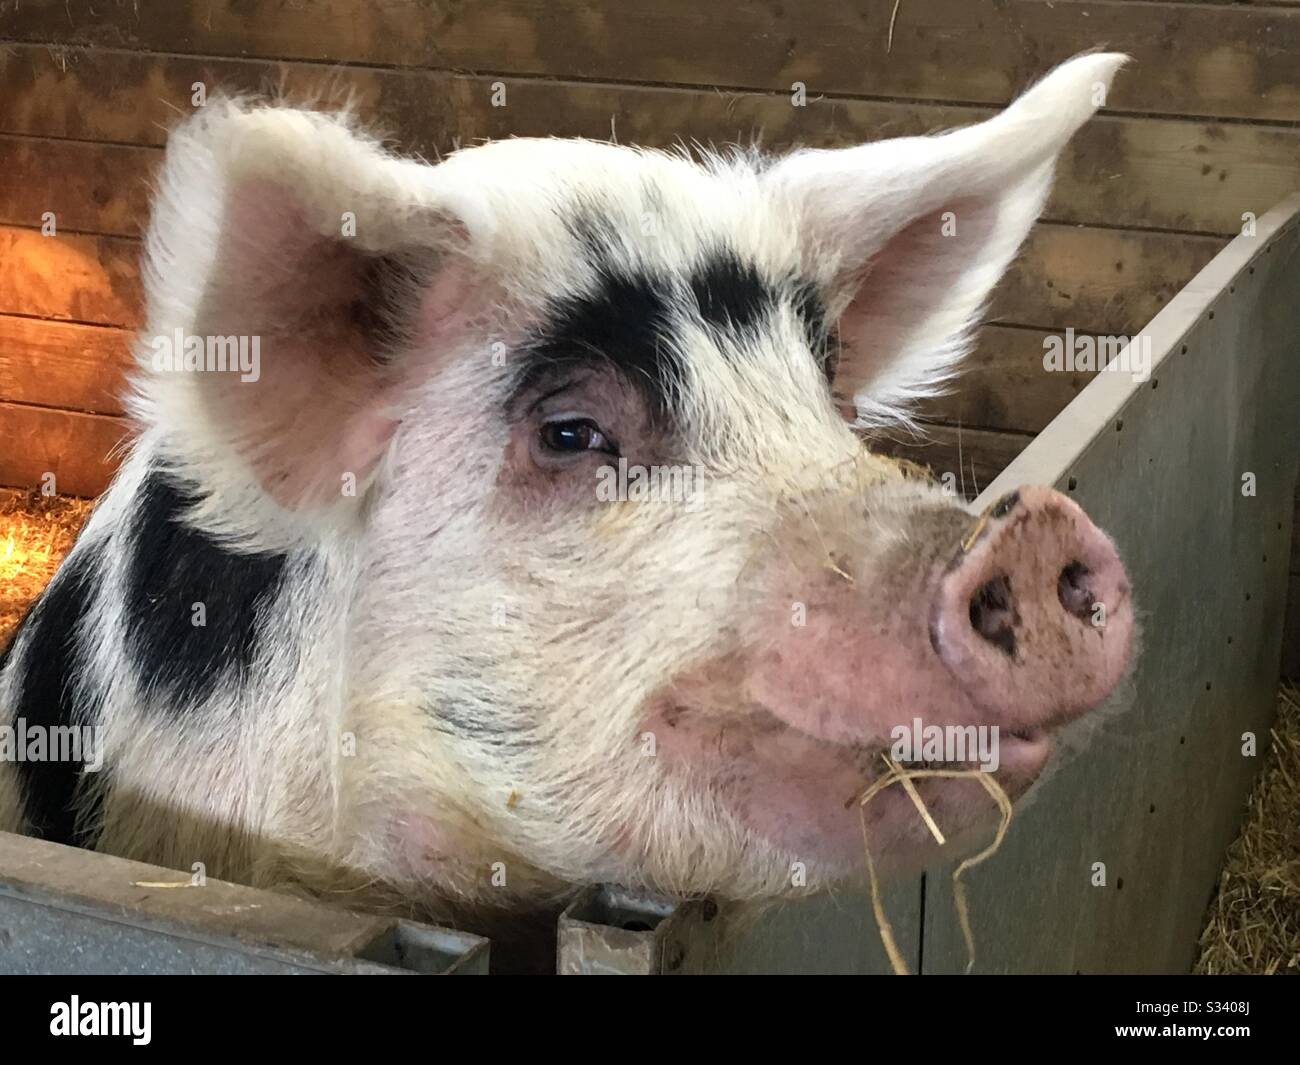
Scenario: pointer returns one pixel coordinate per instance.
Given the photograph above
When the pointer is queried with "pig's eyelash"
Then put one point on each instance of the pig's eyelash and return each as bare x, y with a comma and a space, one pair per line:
563, 386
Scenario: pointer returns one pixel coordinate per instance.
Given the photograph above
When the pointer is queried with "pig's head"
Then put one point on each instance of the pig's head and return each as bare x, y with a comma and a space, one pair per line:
683, 673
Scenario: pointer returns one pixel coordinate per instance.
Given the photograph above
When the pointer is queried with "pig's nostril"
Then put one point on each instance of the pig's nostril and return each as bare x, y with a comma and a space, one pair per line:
993, 614
1072, 590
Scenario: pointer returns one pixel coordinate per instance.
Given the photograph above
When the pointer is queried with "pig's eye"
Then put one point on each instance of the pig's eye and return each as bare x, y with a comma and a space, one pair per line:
576, 434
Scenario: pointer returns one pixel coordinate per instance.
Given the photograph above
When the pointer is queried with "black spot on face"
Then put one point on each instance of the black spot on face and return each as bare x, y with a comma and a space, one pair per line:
49, 698
171, 568
730, 294
633, 317
624, 322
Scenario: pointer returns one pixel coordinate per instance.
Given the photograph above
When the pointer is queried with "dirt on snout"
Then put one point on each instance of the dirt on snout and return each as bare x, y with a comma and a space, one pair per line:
35, 533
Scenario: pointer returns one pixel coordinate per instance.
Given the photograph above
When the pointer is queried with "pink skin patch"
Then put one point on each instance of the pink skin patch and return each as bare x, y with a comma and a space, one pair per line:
423, 846
998, 632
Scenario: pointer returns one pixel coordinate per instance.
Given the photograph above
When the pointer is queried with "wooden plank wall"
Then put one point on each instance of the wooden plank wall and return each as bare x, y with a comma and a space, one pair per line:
1203, 128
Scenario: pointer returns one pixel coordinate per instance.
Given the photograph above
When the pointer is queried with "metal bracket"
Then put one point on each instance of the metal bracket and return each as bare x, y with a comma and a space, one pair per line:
609, 931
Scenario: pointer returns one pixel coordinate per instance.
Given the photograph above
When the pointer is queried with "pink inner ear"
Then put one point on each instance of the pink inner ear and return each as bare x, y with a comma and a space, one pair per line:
446, 304
904, 284
320, 414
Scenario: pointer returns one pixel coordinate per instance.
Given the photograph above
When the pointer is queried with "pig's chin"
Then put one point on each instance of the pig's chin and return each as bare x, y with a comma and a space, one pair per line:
801, 793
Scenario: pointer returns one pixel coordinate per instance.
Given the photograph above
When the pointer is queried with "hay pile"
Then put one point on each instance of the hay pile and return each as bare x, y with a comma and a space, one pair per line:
35, 533
1254, 919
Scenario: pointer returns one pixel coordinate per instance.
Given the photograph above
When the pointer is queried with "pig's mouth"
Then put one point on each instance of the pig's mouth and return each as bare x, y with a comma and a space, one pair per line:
802, 793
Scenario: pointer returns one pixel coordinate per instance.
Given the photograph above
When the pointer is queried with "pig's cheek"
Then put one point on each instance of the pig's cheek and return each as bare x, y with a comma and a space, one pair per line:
788, 789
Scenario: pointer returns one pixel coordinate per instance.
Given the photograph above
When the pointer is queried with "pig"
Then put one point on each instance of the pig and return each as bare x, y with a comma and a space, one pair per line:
363, 616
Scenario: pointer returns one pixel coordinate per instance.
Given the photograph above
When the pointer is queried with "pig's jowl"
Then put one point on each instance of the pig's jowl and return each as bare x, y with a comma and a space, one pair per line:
359, 623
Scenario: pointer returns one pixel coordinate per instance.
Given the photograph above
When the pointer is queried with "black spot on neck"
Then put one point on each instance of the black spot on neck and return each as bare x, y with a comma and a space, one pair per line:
6, 650
172, 568
50, 698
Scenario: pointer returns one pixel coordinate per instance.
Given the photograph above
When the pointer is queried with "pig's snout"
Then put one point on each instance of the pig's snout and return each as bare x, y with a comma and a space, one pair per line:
1033, 616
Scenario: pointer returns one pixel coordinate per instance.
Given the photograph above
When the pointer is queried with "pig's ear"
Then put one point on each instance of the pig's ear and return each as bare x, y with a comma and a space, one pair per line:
907, 237
335, 270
